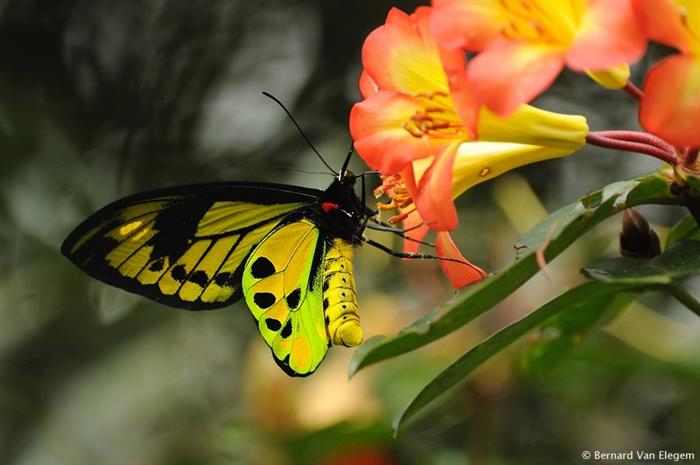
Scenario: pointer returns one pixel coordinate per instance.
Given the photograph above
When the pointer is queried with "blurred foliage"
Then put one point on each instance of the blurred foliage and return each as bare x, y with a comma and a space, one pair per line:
99, 99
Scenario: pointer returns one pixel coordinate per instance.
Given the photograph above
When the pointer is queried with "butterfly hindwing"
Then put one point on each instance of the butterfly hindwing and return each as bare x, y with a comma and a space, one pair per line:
282, 286
182, 246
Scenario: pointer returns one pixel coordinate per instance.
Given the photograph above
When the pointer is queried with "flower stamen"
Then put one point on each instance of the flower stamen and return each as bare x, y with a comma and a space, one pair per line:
437, 118
399, 197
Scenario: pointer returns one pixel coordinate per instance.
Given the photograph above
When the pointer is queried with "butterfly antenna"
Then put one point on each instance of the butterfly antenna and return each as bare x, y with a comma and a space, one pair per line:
346, 162
301, 132
296, 170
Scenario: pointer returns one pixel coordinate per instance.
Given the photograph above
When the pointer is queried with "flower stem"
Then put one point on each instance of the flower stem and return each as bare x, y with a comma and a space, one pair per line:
633, 90
633, 141
685, 298
638, 136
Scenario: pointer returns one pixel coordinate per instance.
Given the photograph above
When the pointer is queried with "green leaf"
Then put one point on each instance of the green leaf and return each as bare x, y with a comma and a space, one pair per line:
587, 297
566, 331
687, 228
576, 309
677, 262
558, 231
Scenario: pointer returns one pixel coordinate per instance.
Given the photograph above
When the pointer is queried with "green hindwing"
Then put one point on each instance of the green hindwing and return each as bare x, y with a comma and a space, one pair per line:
282, 286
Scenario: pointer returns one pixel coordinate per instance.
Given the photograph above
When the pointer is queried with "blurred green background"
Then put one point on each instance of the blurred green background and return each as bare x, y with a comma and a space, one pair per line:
100, 99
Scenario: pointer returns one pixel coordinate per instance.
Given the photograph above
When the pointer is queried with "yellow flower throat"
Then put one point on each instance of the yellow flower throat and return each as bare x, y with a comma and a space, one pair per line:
436, 119
554, 22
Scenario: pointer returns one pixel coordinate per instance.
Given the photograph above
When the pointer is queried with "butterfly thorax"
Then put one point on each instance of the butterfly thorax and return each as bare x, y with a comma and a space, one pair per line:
341, 213
339, 296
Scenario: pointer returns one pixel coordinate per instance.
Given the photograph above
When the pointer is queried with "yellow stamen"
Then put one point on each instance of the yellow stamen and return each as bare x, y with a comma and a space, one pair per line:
399, 197
436, 119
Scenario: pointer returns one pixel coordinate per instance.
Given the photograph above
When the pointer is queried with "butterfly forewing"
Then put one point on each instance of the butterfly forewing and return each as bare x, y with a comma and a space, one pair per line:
282, 286
182, 246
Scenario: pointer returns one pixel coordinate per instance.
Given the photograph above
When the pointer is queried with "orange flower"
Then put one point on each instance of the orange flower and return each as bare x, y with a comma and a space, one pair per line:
413, 111
670, 107
410, 110
524, 44
417, 126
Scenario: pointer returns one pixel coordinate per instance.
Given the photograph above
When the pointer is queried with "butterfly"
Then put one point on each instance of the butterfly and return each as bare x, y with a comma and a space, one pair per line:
286, 250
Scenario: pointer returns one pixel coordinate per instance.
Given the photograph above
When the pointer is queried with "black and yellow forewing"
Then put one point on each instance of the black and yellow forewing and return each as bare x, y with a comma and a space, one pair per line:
184, 246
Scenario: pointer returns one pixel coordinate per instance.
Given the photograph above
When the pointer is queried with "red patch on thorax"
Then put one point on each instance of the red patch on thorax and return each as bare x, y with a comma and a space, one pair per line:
328, 207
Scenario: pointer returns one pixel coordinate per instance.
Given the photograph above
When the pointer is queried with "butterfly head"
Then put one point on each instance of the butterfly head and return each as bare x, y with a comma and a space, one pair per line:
342, 213
347, 178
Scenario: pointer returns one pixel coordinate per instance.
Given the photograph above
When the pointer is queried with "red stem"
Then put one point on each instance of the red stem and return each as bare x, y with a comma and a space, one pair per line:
633, 90
641, 137
600, 140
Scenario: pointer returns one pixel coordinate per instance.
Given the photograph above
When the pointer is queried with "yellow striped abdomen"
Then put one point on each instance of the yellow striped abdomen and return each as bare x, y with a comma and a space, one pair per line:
339, 296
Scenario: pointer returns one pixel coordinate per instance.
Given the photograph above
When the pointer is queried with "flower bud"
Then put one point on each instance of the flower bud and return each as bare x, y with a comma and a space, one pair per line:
613, 78
637, 239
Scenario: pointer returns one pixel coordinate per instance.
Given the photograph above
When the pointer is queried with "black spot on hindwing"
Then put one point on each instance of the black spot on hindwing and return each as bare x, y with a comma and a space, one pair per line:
272, 324
293, 298
262, 268
287, 331
263, 299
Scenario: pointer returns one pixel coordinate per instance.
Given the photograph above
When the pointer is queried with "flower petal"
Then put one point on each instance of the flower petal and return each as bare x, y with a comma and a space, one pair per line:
434, 198
402, 56
459, 274
477, 162
661, 21
608, 36
533, 126
611, 78
377, 127
417, 230
465, 101
670, 107
367, 85
408, 176
509, 74
466, 24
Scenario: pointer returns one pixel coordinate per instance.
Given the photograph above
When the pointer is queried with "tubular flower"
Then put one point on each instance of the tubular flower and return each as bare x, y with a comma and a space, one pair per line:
524, 44
670, 107
416, 115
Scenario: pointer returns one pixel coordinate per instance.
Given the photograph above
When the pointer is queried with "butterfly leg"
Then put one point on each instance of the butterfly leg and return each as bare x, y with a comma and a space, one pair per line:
397, 231
418, 256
